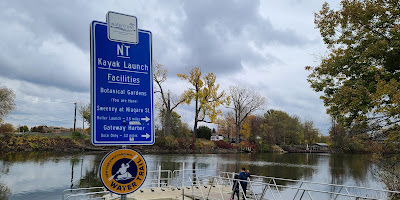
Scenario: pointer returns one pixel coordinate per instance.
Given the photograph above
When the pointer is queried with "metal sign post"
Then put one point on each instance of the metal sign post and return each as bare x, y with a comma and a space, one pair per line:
121, 96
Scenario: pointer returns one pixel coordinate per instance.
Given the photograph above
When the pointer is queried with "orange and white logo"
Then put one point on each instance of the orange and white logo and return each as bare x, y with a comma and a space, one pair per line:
123, 171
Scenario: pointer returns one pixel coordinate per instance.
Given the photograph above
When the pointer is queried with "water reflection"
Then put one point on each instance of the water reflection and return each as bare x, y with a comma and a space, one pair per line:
90, 176
43, 175
46, 175
356, 167
5, 192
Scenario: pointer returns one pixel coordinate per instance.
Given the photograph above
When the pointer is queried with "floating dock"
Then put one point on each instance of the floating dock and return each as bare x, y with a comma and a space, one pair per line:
215, 185
189, 193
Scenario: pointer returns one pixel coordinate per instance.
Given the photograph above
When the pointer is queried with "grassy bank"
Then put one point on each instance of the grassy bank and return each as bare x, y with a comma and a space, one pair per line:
14, 142
76, 142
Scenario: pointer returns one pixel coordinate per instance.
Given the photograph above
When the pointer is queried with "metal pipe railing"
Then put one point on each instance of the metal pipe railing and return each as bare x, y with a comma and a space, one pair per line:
199, 178
308, 190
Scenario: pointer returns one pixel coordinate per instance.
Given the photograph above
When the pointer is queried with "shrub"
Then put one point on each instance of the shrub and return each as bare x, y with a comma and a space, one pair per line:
276, 148
171, 142
184, 142
76, 135
264, 147
6, 128
199, 144
224, 145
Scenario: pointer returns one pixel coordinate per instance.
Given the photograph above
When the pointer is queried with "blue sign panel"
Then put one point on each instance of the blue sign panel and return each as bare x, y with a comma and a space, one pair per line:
121, 89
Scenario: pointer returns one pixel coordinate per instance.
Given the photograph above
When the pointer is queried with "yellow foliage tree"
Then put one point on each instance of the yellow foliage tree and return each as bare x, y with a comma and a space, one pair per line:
246, 127
204, 93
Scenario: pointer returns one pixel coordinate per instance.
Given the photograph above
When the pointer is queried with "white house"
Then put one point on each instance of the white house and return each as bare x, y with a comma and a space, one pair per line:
216, 137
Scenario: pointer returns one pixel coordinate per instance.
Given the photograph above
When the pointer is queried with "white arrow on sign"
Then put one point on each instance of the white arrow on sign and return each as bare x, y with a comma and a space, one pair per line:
145, 119
146, 135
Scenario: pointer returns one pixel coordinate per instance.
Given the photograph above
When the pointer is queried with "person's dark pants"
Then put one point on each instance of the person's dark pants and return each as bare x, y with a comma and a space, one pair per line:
244, 187
237, 194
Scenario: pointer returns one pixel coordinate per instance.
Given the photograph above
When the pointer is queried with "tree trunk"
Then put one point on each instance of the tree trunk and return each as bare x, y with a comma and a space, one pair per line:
237, 133
168, 123
195, 125
194, 133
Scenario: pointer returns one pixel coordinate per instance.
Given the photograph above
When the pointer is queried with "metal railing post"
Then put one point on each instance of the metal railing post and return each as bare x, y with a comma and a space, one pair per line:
298, 191
199, 185
183, 176
308, 192
347, 192
159, 176
302, 194
231, 180
252, 189
338, 192
264, 191
183, 173
272, 193
277, 190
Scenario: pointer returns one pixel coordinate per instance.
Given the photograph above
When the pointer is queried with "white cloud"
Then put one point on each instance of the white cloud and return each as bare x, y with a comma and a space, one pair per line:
263, 45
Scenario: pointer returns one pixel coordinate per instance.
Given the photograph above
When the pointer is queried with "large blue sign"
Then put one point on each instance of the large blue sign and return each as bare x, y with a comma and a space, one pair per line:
121, 89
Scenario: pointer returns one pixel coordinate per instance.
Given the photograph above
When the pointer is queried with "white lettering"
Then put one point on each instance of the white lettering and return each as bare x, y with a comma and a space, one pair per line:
120, 50
126, 49
114, 128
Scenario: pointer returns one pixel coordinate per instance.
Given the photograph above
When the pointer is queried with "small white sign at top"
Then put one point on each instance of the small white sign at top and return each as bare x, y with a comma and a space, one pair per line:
122, 28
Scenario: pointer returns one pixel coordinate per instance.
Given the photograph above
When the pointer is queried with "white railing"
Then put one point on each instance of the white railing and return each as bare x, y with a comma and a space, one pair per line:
259, 187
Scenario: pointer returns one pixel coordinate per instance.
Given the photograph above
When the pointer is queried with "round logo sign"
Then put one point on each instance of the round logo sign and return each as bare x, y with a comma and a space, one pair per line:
123, 171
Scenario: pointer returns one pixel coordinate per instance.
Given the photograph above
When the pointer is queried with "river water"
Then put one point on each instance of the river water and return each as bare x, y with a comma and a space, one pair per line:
46, 175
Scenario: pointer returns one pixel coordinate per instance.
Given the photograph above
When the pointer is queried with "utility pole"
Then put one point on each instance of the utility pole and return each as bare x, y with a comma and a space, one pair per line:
83, 125
75, 117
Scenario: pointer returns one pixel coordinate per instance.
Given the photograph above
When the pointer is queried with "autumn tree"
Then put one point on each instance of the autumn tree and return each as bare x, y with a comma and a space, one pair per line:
7, 101
204, 132
204, 93
169, 101
6, 128
311, 134
282, 127
252, 125
294, 130
84, 111
23, 129
360, 77
337, 135
226, 125
245, 131
244, 101
178, 128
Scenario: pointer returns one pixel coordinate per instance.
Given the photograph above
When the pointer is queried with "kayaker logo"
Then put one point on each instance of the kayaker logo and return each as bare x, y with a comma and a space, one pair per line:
123, 171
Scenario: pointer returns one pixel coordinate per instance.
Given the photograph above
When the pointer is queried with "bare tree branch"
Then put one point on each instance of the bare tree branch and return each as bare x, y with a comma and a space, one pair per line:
245, 101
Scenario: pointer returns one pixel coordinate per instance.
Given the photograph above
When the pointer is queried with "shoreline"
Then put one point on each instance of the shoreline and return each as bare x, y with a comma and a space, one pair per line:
57, 143
11, 142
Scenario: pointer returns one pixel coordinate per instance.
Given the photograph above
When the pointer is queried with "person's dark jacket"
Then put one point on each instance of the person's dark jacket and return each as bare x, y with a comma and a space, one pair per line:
243, 176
